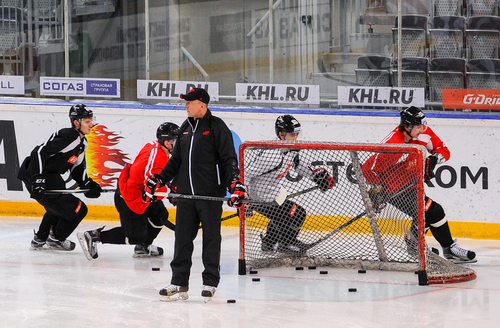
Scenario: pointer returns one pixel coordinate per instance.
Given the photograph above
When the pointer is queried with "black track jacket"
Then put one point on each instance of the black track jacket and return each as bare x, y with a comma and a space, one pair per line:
203, 157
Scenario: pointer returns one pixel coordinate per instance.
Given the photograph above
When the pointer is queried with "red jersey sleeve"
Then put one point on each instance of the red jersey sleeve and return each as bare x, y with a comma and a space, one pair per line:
150, 160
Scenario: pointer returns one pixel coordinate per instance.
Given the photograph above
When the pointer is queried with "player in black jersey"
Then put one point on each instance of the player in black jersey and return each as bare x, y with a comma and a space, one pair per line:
49, 167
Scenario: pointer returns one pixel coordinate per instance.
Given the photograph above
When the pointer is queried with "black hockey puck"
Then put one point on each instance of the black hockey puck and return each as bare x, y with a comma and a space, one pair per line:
231, 301
352, 290
255, 279
323, 272
361, 271
416, 272
254, 271
155, 269
312, 267
299, 268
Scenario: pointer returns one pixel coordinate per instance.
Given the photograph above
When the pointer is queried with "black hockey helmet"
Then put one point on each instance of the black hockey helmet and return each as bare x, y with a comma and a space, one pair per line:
167, 131
413, 116
286, 123
77, 112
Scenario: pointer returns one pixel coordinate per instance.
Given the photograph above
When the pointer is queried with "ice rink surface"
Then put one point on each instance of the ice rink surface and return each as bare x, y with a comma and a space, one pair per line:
63, 289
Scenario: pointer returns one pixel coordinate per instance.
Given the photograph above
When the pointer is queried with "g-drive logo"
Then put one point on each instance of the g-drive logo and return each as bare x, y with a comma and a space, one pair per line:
488, 99
381, 97
481, 99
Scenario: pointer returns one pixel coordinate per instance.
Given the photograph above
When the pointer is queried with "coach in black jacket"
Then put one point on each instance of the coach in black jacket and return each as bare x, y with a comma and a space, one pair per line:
204, 163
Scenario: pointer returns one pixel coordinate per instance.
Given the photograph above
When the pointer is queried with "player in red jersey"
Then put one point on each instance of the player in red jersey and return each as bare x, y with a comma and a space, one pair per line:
141, 221
379, 171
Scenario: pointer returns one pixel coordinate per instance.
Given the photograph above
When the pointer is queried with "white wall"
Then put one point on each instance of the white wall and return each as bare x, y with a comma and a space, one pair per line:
474, 144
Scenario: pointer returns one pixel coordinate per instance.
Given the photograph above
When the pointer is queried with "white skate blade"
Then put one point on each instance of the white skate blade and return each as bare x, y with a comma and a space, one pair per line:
458, 261
43, 248
207, 299
83, 242
137, 256
181, 296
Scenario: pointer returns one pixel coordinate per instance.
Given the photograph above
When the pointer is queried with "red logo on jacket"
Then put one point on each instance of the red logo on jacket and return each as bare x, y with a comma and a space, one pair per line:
206, 132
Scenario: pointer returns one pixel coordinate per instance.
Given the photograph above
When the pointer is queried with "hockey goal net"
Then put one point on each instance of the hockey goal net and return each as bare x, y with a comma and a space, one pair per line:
356, 224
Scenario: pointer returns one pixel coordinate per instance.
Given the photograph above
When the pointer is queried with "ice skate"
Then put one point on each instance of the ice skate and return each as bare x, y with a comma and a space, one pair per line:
295, 248
458, 255
88, 241
64, 245
37, 243
174, 293
266, 245
147, 251
208, 292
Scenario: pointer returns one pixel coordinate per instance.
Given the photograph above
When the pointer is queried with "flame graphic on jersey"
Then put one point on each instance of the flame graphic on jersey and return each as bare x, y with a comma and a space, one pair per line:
104, 162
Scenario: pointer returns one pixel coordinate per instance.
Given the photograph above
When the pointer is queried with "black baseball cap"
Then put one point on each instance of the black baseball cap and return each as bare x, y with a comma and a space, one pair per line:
197, 94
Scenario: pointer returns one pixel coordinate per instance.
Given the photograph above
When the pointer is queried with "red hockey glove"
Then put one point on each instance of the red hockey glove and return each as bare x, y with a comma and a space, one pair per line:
173, 200
237, 190
430, 164
94, 189
152, 184
323, 179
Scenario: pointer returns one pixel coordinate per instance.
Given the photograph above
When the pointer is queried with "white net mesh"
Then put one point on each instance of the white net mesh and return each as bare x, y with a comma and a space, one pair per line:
357, 223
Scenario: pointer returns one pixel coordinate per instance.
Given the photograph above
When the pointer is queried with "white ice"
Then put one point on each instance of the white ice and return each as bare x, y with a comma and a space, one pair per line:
64, 289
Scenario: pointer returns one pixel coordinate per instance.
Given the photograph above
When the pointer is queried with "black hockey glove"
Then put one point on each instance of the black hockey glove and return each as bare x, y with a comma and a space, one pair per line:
430, 165
237, 190
378, 197
152, 184
323, 179
93, 187
38, 189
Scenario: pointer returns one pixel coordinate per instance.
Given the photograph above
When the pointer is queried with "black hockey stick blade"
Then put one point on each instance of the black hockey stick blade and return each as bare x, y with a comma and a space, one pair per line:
75, 191
357, 217
298, 193
322, 239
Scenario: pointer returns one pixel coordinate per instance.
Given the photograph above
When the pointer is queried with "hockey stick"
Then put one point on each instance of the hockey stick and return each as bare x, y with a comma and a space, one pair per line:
357, 217
230, 216
278, 201
287, 197
75, 191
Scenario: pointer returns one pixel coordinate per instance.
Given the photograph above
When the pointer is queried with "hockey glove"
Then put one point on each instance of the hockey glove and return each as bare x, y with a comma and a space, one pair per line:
430, 164
173, 200
323, 179
152, 184
38, 189
378, 198
93, 187
237, 190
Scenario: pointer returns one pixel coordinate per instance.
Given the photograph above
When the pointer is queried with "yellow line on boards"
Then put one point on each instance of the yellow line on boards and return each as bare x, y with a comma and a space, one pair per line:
458, 229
